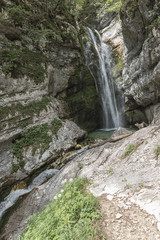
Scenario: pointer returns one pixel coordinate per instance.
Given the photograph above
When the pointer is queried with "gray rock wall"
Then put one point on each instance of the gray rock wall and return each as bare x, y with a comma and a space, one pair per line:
141, 75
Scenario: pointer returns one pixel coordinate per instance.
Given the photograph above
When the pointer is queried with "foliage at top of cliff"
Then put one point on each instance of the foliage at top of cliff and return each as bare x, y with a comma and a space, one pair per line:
113, 5
28, 30
87, 10
38, 18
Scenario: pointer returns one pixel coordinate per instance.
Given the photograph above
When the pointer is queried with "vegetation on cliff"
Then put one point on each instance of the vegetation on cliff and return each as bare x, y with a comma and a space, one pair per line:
36, 26
38, 138
22, 114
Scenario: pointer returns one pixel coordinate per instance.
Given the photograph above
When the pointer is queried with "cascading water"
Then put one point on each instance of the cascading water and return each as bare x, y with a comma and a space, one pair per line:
98, 60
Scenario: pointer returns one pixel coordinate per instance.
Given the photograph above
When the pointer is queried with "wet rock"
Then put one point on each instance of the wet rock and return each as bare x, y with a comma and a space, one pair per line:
11, 199
43, 177
112, 35
120, 131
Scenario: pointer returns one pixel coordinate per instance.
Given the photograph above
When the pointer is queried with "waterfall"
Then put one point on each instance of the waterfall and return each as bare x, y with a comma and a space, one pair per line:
98, 60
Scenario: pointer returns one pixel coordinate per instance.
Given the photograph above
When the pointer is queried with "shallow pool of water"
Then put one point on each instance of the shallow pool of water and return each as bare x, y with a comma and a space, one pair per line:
101, 134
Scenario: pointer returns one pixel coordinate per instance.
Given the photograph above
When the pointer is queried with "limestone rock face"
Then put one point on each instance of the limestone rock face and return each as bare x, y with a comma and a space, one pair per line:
141, 33
112, 35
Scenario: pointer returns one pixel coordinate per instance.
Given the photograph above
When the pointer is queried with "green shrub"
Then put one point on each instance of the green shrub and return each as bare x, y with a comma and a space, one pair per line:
20, 165
74, 215
110, 171
37, 137
15, 167
157, 151
130, 149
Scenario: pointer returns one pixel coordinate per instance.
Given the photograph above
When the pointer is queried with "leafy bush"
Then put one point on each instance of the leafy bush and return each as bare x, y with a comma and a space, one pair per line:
72, 215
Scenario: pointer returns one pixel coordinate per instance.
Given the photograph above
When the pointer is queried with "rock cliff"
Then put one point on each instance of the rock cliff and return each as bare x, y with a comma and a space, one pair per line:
141, 75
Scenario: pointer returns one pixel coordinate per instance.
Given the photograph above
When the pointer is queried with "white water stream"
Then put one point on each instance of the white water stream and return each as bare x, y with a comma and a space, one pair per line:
101, 71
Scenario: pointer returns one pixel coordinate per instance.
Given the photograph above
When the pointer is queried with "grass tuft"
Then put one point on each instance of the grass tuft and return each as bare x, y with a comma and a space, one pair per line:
157, 151
130, 149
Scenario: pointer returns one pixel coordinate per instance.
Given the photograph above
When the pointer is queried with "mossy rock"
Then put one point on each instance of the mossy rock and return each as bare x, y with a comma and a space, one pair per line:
21, 61
83, 100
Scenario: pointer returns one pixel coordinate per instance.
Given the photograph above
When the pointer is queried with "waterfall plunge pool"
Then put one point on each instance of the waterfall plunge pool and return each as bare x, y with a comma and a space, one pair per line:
101, 133
107, 133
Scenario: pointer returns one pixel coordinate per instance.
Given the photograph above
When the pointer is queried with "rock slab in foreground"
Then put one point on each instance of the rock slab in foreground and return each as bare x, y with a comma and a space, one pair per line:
131, 181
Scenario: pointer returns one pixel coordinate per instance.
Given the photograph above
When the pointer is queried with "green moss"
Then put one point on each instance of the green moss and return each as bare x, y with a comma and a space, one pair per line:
37, 137
113, 5
118, 67
2, 88
15, 167
19, 62
73, 215
56, 125
29, 110
86, 96
82, 99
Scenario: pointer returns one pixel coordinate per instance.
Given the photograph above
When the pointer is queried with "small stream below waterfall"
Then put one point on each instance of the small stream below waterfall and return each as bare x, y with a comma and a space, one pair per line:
22, 188
10, 200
